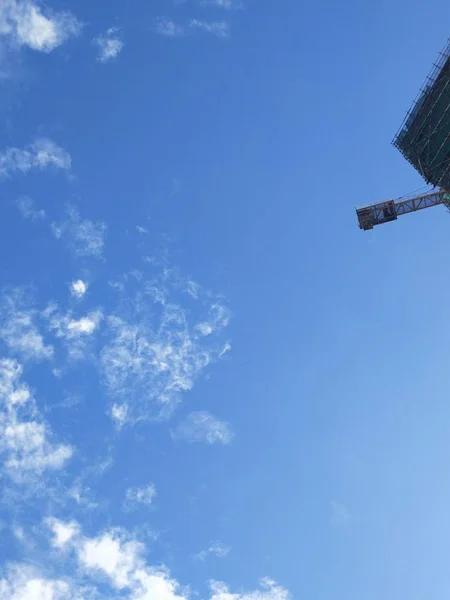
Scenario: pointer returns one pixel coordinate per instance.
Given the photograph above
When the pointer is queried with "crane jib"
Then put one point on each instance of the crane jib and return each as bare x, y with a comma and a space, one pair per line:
390, 210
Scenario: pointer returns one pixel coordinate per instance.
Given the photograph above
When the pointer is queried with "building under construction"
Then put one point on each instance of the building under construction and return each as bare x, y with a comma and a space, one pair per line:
424, 140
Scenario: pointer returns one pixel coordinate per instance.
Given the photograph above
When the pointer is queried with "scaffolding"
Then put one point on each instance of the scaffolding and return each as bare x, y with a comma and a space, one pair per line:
424, 136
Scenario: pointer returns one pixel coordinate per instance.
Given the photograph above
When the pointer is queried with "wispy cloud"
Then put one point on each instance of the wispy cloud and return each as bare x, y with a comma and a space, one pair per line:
86, 238
216, 549
220, 29
109, 45
68, 327
27, 23
269, 590
201, 426
226, 4
19, 326
120, 414
167, 27
76, 332
39, 155
139, 495
27, 209
25, 445
218, 318
155, 347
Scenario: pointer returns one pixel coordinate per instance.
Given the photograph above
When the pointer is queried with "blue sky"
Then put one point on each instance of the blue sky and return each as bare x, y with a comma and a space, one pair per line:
212, 384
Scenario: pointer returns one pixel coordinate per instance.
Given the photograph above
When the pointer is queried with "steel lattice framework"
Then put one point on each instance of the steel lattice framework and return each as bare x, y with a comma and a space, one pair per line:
389, 210
424, 137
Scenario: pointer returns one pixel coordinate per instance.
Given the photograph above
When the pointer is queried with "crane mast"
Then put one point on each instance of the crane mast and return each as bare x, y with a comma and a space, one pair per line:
390, 210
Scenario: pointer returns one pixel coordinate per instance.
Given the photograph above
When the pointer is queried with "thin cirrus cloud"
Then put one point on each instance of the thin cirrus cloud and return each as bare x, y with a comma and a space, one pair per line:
28, 210
25, 23
26, 448
169, 28
84, 237
166, 27
220, 29
226, 4
216, 549
76, 333
201, 426
43, 153
109, 45
139, 496
20, 326
151, 357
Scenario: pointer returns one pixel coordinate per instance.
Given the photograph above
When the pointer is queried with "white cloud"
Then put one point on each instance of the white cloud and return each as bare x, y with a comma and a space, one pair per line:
39, 155
85, 325
25, 23
109, 45
269, 591
78, 288
112, 554
215, 549
25, 445
218, 28
111, 564
144, 495
63, 532
76, 332
28, 211
85, 237
201, 426
19, 327
120, 558
65, 326
23, 582
167, 27
119, 414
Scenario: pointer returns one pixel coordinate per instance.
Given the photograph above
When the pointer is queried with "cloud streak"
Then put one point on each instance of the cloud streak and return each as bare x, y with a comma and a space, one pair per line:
169, 28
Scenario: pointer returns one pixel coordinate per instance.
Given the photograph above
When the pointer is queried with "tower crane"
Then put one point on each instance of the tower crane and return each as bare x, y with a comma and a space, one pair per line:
424, 140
